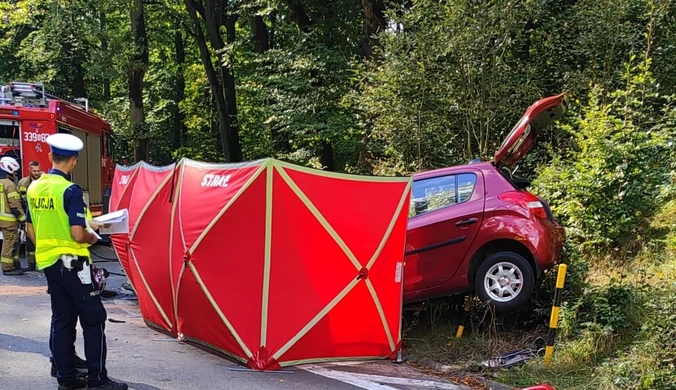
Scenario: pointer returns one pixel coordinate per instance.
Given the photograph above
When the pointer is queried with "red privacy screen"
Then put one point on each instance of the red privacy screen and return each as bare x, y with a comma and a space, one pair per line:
123, 187
269, 263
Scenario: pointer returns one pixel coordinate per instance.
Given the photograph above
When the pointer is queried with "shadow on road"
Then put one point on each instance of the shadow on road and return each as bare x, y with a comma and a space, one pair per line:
138, 386
13, 343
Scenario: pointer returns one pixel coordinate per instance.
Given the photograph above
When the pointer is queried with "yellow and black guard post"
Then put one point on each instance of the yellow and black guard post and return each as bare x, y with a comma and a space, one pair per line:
468, 307
554, 320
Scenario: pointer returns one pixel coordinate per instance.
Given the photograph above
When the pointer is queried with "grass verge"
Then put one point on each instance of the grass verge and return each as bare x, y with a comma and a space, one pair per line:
617, 328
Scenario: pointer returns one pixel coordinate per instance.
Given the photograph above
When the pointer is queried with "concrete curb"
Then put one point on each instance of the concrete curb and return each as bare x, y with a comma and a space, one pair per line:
446, 369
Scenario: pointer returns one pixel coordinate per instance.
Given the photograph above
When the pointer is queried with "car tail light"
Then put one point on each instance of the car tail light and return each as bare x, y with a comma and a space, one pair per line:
526, 200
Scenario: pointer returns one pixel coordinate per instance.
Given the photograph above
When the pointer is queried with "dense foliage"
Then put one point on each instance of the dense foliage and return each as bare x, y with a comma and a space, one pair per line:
395, 86
611, 180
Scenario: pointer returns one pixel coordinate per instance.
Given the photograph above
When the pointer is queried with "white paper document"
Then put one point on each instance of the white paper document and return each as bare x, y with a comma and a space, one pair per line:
118, 221
92, 231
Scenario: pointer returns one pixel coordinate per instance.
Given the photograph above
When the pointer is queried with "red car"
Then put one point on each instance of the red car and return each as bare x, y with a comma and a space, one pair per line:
475, 227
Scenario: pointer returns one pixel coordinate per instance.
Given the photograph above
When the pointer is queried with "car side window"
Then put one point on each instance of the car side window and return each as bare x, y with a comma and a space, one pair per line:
432, 194
435, 193
466, 184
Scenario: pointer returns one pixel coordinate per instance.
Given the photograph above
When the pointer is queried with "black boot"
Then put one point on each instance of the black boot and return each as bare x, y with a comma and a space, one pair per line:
80, 367
80, 363
31, 267
16, 271
80, 383
110, 385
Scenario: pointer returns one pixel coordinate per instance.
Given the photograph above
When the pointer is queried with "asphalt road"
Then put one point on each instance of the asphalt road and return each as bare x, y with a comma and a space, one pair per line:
148, 360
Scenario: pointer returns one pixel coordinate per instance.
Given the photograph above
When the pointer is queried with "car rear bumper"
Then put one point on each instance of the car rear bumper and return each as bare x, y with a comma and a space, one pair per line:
549, 247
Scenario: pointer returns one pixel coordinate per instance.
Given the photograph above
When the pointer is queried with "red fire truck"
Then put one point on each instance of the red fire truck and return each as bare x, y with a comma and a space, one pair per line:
28, 114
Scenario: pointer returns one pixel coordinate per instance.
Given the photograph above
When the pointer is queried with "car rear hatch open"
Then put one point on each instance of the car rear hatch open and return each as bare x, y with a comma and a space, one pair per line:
523, 136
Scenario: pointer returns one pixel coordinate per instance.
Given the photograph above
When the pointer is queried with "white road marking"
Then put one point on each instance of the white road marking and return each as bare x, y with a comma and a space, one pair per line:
351, 380
378, 382
334, 364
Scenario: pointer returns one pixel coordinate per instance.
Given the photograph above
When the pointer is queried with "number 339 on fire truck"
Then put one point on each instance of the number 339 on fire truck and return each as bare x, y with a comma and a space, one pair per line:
29, 136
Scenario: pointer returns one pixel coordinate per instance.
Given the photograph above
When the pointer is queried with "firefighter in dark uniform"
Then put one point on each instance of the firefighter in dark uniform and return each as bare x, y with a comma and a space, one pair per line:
56, 224
23, 185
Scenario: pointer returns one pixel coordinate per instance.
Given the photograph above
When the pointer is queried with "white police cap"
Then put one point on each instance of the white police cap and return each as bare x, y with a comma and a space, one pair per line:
66, 145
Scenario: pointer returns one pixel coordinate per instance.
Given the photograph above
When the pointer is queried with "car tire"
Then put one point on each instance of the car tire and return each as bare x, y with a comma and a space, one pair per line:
500, 271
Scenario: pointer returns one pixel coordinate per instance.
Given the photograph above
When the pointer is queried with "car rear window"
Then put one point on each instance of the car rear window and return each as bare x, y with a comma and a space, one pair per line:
435, 193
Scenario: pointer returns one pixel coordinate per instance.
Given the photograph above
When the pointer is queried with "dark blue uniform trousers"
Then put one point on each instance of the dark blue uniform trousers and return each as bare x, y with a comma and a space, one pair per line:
51, 334
72, 299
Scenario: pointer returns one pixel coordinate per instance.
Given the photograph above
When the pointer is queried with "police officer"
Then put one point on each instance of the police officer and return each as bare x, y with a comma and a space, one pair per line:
11, 214
56, 223
80, 364
24, 183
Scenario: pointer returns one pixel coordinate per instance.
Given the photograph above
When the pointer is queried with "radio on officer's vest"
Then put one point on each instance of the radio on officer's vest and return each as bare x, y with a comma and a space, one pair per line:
81, 267
68, 261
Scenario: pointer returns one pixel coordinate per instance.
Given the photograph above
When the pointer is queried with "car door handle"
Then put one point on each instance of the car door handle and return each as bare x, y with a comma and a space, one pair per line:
466, 222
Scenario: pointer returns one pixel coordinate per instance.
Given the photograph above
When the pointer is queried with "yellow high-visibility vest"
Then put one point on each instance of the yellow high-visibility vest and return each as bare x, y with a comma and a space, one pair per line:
50, 221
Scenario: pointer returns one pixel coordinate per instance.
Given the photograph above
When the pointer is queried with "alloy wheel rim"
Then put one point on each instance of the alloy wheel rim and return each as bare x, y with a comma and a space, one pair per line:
503, 282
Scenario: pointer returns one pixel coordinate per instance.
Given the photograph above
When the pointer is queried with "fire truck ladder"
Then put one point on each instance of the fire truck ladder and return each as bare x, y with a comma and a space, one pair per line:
19, 93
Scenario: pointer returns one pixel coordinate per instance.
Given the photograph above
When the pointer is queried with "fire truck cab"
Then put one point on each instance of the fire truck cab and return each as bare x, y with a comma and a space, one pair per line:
28, 115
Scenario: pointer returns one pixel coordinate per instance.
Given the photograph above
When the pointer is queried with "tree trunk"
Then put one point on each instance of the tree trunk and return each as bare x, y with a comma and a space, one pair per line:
522, 51
326, 14
326, 159
79, 89
104, 50
271, 30
214, 15
262, 39
72, 70
214, 82
260, 35
179, 128
135, 79
281, 142
374, 23
298, 15
231, 97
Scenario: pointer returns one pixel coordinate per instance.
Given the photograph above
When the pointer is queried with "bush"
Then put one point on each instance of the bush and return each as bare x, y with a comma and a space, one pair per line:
606, 191
611, 182
613, 308
661, 324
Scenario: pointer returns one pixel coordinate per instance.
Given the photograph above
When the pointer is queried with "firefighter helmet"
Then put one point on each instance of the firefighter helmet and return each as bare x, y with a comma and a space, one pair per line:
9, 165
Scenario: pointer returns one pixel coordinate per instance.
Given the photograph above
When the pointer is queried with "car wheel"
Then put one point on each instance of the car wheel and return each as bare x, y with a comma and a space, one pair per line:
506, 279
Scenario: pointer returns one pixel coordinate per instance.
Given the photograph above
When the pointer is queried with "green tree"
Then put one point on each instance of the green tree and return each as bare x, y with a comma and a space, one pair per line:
448, 84
604, 190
